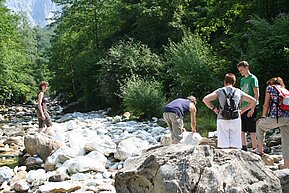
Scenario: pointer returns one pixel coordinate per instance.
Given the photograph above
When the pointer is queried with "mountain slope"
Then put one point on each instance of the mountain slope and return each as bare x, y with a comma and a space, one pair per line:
38, 12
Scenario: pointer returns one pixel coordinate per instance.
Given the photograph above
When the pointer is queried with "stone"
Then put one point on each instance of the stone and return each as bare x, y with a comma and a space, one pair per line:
130, 147
180, 168
103, 144
83, 164
6, 174
21, 186
36, 175
33, 163
166, 139
283, 176
41, 144
59, 187
59, 156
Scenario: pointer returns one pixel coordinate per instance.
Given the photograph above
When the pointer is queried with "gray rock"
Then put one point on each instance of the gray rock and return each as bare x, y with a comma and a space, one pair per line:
179, 168
41, 145
33, 163
283, 176
6, 174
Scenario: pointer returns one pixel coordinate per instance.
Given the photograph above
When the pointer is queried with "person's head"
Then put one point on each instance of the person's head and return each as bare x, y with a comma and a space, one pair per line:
276, 81
43, 85
192, 99
243, 68
230, 79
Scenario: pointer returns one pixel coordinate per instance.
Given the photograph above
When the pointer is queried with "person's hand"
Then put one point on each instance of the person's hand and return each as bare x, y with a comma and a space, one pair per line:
194, 130
43, 117
250, 113
216, 110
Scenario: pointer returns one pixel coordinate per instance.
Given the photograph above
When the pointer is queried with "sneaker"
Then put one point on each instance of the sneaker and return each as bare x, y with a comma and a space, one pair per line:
256, 151
244, 148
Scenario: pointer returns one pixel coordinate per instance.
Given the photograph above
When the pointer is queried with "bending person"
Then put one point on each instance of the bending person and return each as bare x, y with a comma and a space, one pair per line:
174, 113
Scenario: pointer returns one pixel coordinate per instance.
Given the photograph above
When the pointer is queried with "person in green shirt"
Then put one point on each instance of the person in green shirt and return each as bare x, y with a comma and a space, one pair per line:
249, 84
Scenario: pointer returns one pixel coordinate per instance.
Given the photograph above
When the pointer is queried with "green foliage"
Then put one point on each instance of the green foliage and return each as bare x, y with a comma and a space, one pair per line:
267, 49
125, 60
143, 97
191, 67
16, 79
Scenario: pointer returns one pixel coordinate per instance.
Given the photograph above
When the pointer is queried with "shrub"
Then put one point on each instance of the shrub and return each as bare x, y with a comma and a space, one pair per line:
191, 67
143, 98
123, 61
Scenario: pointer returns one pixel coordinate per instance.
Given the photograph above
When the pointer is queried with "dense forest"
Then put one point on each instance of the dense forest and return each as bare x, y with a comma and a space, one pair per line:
137, 55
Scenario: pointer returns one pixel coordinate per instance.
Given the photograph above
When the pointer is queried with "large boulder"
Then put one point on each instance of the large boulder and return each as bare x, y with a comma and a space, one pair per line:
283, 176
41, 144
180, 168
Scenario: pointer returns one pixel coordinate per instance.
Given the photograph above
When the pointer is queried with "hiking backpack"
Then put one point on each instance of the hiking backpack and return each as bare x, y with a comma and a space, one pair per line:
230, 110
283, 99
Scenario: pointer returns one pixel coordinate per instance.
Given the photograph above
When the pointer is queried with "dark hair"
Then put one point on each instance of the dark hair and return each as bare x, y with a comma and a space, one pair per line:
276, 81
230, 78
42, 83
243, 64
192, 99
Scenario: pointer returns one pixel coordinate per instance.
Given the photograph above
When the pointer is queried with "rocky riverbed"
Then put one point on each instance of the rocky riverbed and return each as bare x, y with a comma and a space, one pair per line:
93, 152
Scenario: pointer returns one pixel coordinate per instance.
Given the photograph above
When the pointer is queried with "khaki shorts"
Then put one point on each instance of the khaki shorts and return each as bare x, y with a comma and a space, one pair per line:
175, 124
47, 120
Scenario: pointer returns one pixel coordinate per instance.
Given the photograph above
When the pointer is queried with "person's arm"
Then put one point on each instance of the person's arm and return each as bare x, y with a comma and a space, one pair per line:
193, 111
266, 105
256, 96
207, 100
39, 100
250, 100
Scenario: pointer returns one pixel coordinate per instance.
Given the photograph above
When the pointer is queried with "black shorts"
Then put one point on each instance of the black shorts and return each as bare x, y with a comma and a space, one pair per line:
249, 123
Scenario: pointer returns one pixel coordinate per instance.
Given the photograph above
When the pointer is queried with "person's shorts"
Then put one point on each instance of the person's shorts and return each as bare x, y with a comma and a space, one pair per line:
249, 123
175, 124
47, 120
229, 133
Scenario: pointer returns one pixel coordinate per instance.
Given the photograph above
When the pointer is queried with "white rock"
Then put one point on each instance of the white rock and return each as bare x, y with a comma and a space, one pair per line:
166, 139
81, 177
21, 186
33, 175
103, 144
130, 147
83, 164
59, 156
99, 157
77, 142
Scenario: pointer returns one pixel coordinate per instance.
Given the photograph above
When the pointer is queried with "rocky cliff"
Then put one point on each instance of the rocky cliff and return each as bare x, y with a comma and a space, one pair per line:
38, 12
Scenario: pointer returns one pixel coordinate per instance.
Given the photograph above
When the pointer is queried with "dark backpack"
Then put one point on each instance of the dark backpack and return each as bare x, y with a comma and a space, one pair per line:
230, 110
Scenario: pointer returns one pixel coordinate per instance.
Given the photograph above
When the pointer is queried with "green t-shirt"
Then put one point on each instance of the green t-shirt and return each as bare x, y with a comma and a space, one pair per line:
247, 84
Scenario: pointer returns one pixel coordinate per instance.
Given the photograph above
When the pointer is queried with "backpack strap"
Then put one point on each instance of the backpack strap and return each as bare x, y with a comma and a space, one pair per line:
278, 101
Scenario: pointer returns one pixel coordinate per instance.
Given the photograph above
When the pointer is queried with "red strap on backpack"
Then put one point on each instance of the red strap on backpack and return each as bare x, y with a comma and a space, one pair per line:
284, 97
